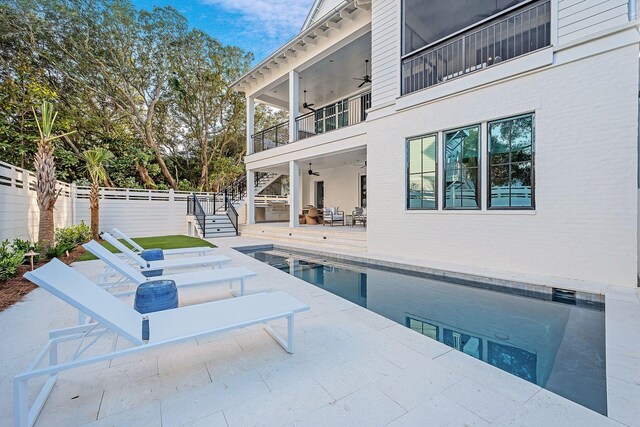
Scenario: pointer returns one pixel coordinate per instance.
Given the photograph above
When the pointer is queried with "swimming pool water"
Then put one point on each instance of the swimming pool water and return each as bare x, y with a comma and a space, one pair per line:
555, 345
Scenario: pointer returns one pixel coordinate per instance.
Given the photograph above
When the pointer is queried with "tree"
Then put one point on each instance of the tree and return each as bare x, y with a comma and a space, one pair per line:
205, 105
46, 173
95, 160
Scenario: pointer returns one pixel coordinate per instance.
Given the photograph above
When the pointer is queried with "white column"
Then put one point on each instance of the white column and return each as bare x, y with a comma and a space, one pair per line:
294, 83
251, 197
294, 193
250, 123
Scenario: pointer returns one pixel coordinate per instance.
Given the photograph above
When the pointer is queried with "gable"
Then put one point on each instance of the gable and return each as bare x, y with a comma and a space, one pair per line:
318, 10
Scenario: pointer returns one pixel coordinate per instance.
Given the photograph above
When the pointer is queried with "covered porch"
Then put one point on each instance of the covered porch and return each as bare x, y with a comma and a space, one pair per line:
330, 91
336, 181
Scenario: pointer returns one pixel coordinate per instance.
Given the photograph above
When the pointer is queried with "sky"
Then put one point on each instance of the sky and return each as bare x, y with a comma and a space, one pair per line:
258, 26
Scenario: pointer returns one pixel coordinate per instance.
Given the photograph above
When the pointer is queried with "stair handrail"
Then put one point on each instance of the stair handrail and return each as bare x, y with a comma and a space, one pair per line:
200, 214
232, 213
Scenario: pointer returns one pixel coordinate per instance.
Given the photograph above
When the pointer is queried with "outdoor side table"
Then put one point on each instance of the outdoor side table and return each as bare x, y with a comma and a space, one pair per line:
348, 220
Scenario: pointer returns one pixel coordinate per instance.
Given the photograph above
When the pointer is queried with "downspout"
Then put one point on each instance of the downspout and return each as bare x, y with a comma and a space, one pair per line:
633, 10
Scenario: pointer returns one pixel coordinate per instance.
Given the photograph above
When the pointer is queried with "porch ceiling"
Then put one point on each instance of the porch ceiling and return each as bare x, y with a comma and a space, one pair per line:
355, 158
329, 79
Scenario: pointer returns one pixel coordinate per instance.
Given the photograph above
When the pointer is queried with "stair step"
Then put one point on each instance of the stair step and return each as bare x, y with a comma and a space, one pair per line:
219, 227
220, 234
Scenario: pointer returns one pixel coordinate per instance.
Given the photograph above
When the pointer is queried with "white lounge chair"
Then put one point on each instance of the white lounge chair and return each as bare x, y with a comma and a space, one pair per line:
199, 250
216, 260
111, 315
191, 278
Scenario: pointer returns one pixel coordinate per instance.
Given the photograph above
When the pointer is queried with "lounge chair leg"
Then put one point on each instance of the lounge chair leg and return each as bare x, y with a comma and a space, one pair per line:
20, 403
288, 343
290, 333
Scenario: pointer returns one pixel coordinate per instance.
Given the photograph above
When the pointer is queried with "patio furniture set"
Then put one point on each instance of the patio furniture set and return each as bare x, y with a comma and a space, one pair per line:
333, 216
103, 310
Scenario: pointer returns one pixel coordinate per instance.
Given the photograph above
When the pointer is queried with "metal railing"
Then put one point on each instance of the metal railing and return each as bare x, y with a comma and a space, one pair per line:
519, 33
338, 115
231, 211
194, 207
272, 137
341, 114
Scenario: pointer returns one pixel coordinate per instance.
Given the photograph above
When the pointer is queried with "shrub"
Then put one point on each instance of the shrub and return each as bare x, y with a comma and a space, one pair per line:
10, 260
24, 246
68, 238
185, 185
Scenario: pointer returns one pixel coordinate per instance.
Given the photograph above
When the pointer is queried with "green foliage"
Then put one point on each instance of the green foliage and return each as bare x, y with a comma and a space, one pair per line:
10, 260
68, 238
95, 161
185, 185
224, 172
105, 63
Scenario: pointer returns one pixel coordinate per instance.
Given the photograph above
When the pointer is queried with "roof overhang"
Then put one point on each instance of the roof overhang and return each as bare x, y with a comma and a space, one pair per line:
302, 41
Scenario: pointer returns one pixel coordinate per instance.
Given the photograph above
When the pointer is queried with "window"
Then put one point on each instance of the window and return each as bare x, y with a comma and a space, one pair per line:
427, 21
422, 155
461, 160
511, 163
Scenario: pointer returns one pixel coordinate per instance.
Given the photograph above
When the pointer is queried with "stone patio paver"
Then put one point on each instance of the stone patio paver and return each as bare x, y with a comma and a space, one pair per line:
351, 367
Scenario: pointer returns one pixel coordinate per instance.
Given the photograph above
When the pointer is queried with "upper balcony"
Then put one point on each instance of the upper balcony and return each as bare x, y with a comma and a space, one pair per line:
511, 32
337, 115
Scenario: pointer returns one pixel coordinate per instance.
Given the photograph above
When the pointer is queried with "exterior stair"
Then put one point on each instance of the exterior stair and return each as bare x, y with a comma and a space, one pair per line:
216, 215
218, 225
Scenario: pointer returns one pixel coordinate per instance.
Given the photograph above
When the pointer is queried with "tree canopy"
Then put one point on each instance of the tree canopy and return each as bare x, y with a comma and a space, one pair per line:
138, 83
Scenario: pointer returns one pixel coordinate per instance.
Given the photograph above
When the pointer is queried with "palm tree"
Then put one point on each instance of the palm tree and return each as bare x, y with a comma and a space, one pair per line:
95, 160
46, 173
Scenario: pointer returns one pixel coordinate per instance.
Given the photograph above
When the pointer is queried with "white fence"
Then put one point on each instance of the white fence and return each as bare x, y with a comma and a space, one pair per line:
19, 213
136, 212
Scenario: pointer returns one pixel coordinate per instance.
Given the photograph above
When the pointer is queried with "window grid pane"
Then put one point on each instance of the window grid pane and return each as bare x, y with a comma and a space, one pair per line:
511, 163
461, 184
422, 172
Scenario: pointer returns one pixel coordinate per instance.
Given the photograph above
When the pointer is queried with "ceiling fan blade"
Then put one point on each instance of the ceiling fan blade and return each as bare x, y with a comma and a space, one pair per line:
362, 84
357, 78
316, 174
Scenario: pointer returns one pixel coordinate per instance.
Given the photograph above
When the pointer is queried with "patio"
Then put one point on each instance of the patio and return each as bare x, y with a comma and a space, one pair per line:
351, 367
349, 238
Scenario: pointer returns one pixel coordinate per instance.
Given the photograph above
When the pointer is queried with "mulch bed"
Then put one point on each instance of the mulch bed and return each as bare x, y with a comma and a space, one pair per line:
17, 287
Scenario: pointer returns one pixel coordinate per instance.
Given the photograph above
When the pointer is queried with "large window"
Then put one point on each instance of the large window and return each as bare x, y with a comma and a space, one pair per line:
461, 161
511, 163
427, 21
422, 155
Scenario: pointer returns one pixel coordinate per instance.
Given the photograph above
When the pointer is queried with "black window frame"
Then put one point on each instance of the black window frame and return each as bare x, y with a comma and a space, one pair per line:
479, 170
533, 164
408, 172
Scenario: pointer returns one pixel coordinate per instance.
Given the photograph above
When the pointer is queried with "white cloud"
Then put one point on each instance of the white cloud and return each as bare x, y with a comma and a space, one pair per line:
271, 17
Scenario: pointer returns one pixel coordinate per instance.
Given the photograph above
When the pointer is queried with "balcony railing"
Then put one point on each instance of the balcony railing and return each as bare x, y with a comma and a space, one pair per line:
338, 115
272, 137
519, 33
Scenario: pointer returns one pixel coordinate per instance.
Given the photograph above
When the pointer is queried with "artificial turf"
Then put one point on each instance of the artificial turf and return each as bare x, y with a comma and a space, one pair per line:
156, 242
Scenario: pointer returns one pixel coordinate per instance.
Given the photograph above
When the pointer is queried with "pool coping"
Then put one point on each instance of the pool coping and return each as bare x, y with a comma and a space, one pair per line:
521, 288
622, 327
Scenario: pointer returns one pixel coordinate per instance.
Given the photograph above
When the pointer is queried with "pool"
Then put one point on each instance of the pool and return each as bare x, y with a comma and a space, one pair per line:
558, 344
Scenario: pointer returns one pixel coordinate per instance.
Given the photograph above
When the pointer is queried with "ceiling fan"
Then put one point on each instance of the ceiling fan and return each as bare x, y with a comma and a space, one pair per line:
366, 78
305, 105
311, 172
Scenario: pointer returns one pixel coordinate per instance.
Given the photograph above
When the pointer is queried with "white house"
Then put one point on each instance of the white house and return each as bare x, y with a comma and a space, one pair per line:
501, 136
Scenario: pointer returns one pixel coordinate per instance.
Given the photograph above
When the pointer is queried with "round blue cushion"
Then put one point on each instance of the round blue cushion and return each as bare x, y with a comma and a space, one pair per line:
155, 296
